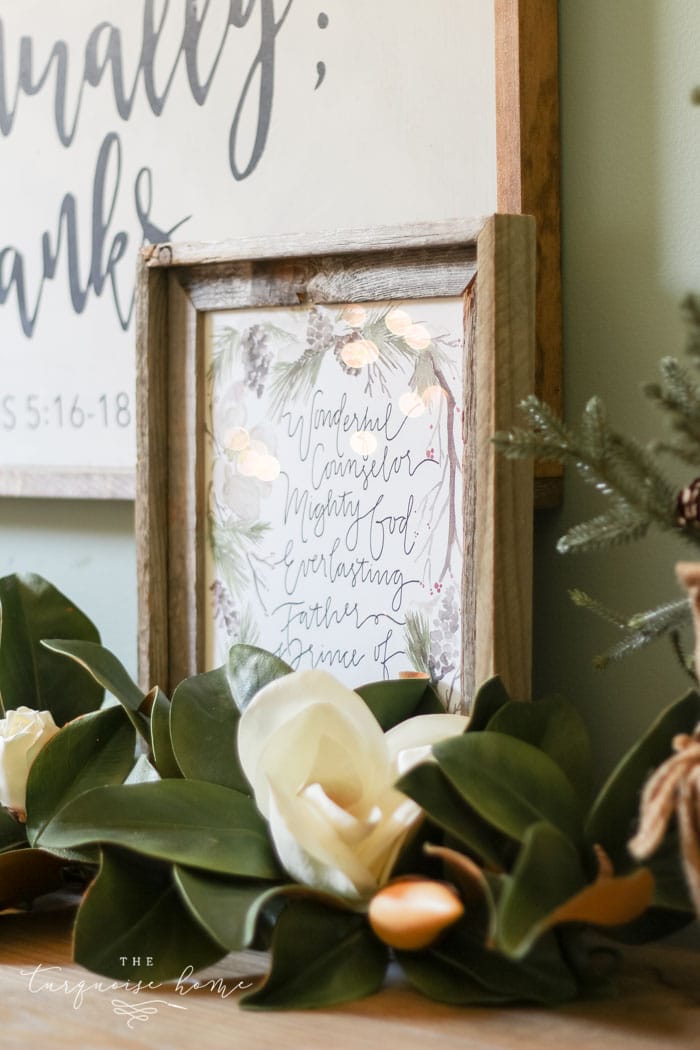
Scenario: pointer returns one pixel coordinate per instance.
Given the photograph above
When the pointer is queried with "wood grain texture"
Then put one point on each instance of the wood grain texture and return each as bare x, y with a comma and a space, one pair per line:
186, 529
657, 1008
365, 277
152, 343
470, 504
527, 136
62, 483
504, 493
303, 245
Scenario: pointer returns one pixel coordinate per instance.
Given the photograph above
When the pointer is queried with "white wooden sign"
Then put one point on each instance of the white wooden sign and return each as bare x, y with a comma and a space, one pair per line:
124, 122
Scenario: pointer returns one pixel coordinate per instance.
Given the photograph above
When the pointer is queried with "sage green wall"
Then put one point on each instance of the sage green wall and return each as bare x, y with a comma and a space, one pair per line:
631, 169
631, 250
87, 551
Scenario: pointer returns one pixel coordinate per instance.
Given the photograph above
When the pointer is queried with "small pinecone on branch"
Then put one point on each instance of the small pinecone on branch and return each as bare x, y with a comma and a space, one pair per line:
255, 343
688, 505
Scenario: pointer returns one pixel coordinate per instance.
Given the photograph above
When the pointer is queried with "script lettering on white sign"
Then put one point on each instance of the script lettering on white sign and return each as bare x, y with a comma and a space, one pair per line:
334, 487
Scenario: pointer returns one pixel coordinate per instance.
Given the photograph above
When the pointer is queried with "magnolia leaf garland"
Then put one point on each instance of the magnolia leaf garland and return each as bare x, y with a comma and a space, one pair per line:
173, 844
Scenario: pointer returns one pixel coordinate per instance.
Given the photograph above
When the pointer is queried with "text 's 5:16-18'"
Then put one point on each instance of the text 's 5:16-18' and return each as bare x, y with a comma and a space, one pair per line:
64, 411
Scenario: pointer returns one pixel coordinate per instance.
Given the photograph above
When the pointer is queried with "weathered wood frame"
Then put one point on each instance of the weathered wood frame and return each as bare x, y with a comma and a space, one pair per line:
488, 262
527, 154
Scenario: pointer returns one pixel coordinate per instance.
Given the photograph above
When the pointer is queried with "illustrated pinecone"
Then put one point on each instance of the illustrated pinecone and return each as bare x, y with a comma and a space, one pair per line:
319, 332
255, 344
688, 505
340, 342
225, 612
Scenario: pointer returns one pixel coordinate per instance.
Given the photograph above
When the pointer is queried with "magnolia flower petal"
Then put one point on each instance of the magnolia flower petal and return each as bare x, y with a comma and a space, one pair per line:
378, 852
23, 733
314, 694
349, 828
311, 851
411, 741
291, 754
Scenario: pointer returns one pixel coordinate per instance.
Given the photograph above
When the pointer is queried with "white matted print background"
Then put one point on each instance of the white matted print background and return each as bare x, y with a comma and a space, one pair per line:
334, 482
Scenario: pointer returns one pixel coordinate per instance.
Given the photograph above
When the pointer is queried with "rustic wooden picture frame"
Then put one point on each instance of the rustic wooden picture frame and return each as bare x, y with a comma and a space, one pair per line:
488, 262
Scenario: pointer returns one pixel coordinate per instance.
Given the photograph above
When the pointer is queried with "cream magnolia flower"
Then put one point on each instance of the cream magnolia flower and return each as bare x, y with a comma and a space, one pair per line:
23, 733
322, 772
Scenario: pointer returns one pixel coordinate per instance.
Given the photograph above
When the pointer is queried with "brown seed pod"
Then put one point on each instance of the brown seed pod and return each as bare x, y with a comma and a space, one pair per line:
410, 913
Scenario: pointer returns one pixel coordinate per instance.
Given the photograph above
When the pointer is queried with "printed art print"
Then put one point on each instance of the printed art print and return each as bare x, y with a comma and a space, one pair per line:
334, 487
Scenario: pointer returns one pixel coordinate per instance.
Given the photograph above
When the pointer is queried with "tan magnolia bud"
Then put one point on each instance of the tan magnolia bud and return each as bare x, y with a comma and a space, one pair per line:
410, 913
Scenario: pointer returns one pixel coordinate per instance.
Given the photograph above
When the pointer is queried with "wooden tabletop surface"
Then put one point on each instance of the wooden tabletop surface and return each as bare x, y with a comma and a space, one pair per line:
658, 1009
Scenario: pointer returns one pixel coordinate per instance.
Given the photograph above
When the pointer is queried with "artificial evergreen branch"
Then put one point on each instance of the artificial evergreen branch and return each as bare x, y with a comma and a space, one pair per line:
678, 395
585, 601
691, 310
633, 480
417, 636
617, 466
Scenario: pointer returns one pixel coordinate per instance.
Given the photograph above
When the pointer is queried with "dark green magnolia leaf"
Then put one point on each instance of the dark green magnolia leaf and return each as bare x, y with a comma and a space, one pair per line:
92, 751
547, 873
26, 874
427, 785
509, 783
672, 908
161, 744
31, 609
204, 730
614, 815
458, 969
249, 669
104, 668
555, 727
132, 925
320, 956
183, 821
227, 908
394, 701
13, 834
489, 699
479, 890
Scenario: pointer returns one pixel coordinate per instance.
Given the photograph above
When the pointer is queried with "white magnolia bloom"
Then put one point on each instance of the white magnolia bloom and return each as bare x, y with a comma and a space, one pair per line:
23, 733
322, 772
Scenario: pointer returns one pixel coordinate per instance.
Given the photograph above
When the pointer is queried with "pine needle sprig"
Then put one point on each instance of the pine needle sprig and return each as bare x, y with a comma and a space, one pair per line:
417, 636
678, 396
607, 530
671, 615
644, 628
616, 466
294, 380
585, 601
645, 481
